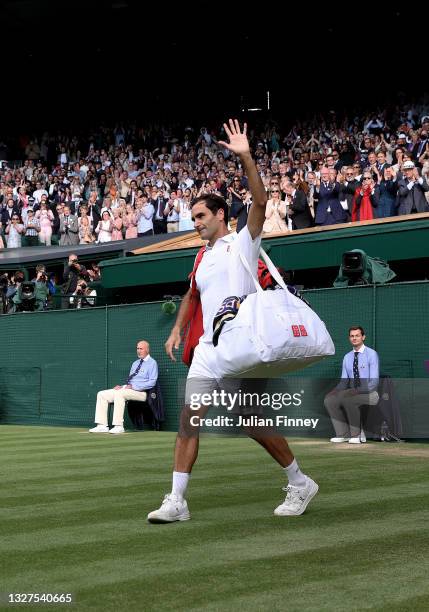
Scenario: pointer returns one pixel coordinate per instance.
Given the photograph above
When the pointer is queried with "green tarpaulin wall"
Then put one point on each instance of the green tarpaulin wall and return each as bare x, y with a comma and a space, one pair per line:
53, 363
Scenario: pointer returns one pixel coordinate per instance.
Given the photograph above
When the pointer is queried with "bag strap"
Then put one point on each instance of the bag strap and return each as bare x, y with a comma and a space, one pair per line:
271, 268
192, 275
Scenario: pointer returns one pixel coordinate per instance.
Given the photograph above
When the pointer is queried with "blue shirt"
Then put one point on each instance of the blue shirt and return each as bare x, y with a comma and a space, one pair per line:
147, 376
368, 370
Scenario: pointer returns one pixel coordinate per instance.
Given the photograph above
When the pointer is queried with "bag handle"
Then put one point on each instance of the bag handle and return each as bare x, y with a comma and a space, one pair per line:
271, 268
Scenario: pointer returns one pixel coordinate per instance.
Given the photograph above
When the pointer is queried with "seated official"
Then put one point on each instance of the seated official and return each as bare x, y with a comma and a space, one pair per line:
358, 387
143, 375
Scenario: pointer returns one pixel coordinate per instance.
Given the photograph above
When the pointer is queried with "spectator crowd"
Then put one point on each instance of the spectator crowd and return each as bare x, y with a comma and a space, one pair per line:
126, 182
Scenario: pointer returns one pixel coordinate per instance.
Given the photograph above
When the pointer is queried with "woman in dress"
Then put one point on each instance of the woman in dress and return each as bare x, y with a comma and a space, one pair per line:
185, 212
105, 228
46, 219
117, 224
275, 214
14, 231
130, 222
85, 231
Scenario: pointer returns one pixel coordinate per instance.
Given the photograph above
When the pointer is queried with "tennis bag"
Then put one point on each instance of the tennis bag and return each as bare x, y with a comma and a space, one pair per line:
273, 333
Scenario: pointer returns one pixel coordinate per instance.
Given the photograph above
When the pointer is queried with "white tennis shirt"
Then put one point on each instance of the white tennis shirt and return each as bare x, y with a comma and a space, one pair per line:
222, 274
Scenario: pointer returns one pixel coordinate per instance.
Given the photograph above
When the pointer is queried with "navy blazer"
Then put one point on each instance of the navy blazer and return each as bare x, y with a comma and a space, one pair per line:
329, 198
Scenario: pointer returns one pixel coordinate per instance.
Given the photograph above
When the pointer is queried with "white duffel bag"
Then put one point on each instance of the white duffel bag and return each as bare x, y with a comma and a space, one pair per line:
273, 333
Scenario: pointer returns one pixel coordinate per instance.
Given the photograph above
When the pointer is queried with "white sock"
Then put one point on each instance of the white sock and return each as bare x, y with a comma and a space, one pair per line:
295, 477
180, 483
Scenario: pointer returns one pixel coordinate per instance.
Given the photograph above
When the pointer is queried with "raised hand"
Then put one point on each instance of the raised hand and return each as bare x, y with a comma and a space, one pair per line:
238, 142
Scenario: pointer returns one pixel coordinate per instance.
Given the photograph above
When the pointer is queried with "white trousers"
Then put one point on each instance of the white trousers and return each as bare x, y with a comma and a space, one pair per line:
118, 398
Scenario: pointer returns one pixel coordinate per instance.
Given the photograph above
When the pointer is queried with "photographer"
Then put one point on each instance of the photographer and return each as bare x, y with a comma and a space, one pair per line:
4, 285
72, 270
84, 296
41, 287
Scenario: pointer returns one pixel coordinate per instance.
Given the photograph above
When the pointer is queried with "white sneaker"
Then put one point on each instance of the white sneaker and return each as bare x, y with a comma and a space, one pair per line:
100, 429
355, 440
297, 499
362, 436
172, 509
117, 429
338, 440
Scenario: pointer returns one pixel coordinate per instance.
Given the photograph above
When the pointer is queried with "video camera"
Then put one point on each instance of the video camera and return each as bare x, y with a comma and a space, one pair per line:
26, 294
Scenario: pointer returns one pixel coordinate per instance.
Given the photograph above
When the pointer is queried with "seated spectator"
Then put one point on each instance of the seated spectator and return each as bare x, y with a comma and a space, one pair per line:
358, 387
143, 376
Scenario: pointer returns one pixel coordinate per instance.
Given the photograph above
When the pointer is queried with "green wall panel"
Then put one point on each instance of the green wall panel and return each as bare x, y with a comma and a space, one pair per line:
53, 363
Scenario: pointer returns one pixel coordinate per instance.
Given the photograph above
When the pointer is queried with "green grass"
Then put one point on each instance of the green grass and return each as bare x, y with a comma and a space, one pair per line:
73, 519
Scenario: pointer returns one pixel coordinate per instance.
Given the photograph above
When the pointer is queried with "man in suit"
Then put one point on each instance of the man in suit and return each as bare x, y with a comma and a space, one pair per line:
329, 210
298, 209
357, 387
8, 212
411, 191
69, 228
143, 375
159, 203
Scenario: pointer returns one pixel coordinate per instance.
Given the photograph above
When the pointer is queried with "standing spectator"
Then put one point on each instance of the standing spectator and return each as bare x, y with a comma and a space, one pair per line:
69, 228
45, 218
171, 213
144, 213
85, 231
117, 224
104, 228
130, 222
39, 191
298, 210
159, 202
243, 212
9, 211
385, 193
31, 229
348, 189
14, 231
411, 191
185, 212
364, 201
275, 214
329, 210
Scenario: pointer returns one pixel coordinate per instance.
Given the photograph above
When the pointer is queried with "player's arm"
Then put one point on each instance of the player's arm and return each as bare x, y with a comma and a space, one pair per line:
239, 144
182, 320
